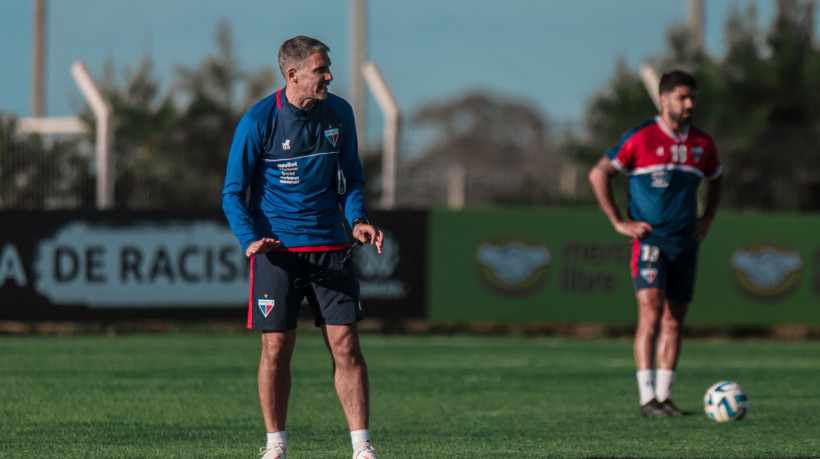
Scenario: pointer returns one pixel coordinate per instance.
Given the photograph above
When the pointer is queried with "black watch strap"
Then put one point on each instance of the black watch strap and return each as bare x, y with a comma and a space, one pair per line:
360, 220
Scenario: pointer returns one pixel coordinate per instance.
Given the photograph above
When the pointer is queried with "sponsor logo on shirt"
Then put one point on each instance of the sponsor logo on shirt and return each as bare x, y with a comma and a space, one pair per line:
289, 173
660, 179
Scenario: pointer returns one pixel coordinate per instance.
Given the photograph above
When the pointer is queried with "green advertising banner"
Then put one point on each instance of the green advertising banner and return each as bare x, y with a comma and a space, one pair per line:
570, 266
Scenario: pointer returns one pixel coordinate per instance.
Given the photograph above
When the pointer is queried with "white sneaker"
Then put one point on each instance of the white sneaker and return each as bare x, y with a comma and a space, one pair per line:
277, 451
365, 451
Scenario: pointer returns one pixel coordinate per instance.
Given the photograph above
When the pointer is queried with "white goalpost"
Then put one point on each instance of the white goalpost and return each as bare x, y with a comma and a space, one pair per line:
73, 125
390, 109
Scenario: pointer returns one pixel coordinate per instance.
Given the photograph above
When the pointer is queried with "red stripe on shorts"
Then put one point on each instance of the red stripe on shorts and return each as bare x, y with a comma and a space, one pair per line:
636, 256
250, 299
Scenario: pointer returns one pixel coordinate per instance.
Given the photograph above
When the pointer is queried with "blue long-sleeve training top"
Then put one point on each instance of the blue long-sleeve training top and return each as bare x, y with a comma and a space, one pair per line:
295, 167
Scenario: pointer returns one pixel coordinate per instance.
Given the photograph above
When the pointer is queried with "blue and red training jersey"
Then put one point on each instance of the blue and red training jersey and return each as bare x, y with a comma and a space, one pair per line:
665, 172
289, 172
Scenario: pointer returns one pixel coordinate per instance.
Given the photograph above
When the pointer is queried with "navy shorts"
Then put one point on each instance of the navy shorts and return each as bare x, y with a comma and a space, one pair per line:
672, 272
275, 300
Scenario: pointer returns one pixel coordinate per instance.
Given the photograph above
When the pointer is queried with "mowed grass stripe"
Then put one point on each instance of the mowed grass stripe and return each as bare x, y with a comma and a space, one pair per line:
181, 396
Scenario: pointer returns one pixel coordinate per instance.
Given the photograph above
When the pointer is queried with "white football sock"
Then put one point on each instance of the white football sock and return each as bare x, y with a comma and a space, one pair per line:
359, 437
277, 438
645, 389
664, 380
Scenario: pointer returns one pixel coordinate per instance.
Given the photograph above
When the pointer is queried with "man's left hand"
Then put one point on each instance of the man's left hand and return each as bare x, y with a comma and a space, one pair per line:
365, 233
702, 226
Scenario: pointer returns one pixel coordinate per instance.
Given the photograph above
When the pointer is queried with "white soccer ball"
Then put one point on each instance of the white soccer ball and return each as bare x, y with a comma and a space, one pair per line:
726, 401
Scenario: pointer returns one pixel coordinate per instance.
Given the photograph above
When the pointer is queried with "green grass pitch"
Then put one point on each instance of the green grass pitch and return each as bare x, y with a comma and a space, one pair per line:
188, 395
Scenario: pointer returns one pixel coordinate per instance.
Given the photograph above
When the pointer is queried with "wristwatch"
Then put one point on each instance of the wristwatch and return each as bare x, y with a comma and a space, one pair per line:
360, 220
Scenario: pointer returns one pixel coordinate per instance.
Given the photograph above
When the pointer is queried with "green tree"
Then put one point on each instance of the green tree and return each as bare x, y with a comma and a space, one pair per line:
144, 125
503, 149
780, 168
611, 113
757, 102
171, 147
39, 172
218, 92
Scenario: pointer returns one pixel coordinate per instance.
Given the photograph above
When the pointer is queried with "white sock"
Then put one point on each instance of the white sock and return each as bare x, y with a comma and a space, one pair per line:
277, 438
359, 437
664, 380
645, 389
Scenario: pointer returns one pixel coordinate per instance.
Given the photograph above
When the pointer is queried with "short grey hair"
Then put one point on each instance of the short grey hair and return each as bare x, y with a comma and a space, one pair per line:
295, 51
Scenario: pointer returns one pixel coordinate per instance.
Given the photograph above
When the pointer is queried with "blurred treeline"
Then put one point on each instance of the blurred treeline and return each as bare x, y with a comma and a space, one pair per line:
758, 101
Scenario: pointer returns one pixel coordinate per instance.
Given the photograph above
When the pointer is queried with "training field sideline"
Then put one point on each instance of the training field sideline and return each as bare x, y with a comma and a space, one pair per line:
185, 396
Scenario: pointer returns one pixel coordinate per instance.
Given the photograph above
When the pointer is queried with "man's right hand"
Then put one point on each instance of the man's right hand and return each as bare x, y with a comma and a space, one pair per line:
634, 230
261, 246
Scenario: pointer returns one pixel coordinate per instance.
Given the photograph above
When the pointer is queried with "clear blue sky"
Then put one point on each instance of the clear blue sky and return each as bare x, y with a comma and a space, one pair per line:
555, 54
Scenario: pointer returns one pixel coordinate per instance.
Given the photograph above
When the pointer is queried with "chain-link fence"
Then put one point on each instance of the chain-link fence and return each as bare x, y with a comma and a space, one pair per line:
45, 173
776, 171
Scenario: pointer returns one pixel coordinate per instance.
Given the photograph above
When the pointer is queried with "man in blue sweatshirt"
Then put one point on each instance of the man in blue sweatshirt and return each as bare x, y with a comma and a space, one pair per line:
293, 175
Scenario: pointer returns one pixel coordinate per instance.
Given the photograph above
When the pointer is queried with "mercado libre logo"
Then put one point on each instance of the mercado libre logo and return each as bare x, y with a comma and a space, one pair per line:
766, 272
513, 267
